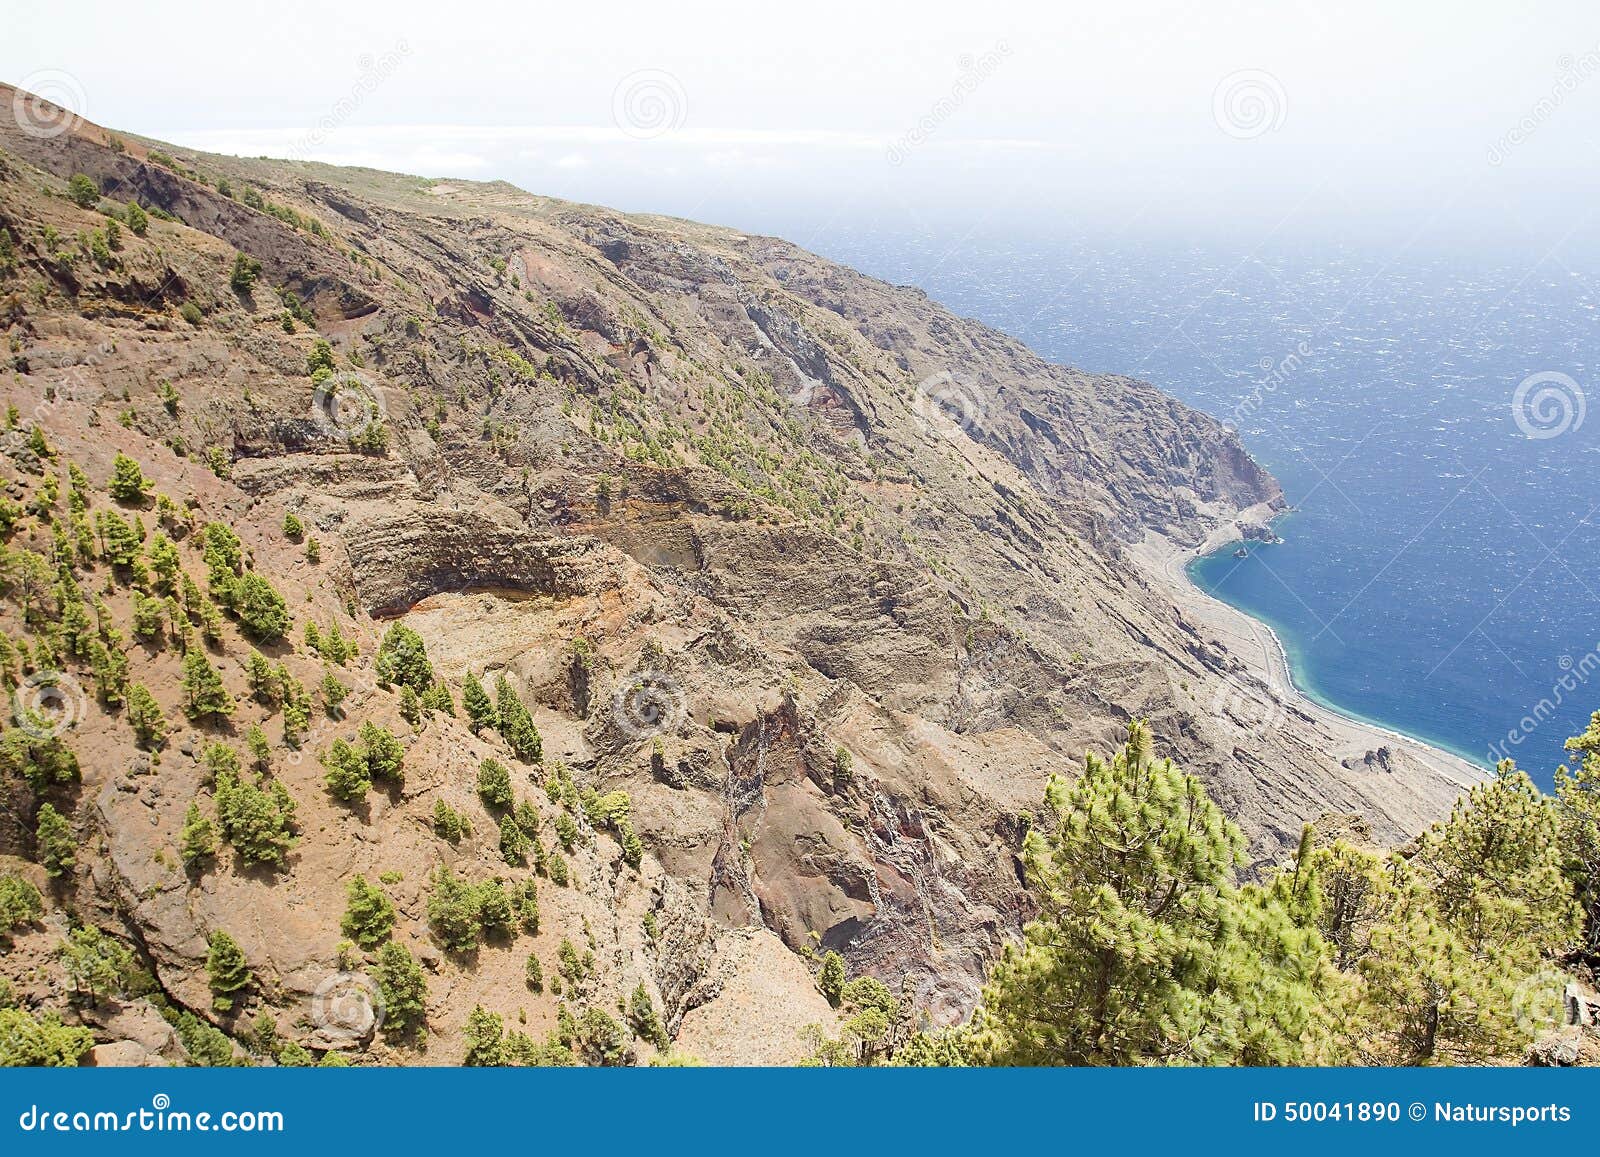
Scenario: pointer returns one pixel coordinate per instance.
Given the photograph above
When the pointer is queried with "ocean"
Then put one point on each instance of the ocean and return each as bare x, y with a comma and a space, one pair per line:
1426, 415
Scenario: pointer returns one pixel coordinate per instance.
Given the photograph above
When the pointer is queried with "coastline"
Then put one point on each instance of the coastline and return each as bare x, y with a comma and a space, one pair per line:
1257, 646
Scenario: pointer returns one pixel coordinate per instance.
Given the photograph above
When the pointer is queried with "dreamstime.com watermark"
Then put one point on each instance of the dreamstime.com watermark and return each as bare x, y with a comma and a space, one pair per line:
949, 404
48, 103
1548, 404
48, 704
1274, 375
648, 704
972, 71
1249, 103
1572, 72
1253, 710
158, 1117
1575, 673
649, 103
1539, 1003
346, 403
374, 70
348, 1006
325, 727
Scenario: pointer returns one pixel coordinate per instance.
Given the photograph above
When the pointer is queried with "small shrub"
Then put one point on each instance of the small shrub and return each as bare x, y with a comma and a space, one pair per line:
226, 970
369, 914
494, 784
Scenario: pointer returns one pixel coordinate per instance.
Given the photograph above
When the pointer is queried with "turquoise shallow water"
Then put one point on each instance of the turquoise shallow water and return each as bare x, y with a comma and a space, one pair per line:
1236, 582
1441, 573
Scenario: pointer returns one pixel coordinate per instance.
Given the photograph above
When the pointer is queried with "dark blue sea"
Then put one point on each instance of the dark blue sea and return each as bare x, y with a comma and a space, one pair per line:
1440, 572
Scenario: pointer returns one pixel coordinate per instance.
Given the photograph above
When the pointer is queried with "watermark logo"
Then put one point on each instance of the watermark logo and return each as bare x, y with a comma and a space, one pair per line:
360, 690
949, 404
1572, 72
1539, 1003
346, 404
1249, 103
1575, 674
373, 71
972, 71
75, 384
347, 1006
48, 703
1548, 404
48, 103
649, 103
1254, 710
1274, 374
648, 704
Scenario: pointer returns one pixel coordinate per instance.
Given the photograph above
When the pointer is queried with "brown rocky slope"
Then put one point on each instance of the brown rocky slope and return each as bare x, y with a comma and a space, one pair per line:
827, 579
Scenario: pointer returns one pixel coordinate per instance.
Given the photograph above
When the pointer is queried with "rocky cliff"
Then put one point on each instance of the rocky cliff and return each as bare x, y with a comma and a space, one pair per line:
826, 579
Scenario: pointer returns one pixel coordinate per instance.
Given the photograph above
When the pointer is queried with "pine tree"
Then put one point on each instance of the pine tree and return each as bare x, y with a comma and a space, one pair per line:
516, 725
333, 693
258, 821
42, 1041
39, 758
526, 902
454, 911
513, 842
57, 849
95, 963
403, 659
485, 1035
204, 695
226, 970
632, 845
1578, 804
20, 903
528, 819
262, 680
145, 717
384, 753
496, 913
404, 988
83, 191
494, 784
1144, 950
642, 1016
369, 914
294, 1055
245, 271
259, 607
447, 822
165, 563
348, 777
830, 981
335, 647
1480, 906
567, 831
259, 747
437, 698
476, 703
199, 840
128, 483
1494, 870
148, 616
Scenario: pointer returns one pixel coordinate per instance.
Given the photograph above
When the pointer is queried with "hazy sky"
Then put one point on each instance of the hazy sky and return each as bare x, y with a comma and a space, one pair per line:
1474, 118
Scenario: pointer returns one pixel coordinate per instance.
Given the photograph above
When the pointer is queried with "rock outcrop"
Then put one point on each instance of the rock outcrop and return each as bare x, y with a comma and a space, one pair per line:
827, 579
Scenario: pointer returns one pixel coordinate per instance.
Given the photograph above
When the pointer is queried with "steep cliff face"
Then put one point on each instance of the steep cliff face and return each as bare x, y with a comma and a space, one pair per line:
827, 579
